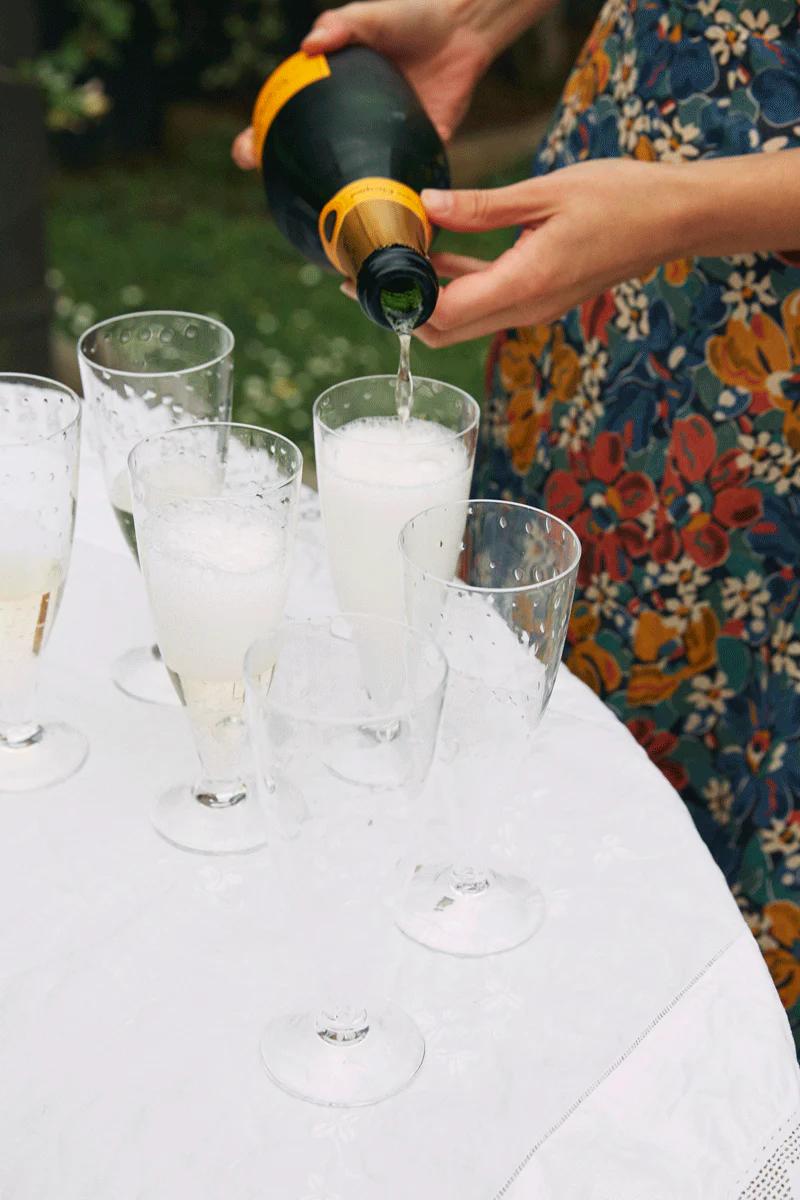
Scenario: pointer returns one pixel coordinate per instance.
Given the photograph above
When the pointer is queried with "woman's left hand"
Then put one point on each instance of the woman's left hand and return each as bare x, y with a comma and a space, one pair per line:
584, 228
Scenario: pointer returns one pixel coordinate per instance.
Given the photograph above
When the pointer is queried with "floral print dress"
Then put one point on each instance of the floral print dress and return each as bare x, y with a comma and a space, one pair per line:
662, 421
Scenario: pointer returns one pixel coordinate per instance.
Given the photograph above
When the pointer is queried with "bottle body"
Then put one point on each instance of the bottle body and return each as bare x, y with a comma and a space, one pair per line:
346, 147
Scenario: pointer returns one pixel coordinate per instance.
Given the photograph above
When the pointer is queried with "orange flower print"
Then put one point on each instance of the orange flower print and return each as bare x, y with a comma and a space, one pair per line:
670, 651
763, 359
591, 662
784, 926
527, 414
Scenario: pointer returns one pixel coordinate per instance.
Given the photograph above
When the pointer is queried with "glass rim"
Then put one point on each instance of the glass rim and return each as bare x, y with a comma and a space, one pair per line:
475, 589
166, 433
297, 625
452, 387
53, 384
156, 312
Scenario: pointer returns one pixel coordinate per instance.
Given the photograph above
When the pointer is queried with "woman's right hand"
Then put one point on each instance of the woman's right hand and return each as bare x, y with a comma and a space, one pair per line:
440, 50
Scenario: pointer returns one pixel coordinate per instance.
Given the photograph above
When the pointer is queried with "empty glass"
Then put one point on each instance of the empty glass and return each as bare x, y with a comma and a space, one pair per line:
376, 471
215, 508
39, 451
493, 582
144, 373
344, 714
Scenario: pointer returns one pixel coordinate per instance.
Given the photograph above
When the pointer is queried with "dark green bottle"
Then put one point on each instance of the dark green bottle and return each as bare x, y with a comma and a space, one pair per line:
346, 148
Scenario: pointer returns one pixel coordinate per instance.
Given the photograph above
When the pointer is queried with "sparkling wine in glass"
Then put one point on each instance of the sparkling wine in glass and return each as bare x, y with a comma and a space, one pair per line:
343, 755
376, 469
216, 567
144, 373
493, 582
39, 453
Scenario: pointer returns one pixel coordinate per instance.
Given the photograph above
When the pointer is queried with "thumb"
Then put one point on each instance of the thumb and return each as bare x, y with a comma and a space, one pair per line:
474, 209
339, 27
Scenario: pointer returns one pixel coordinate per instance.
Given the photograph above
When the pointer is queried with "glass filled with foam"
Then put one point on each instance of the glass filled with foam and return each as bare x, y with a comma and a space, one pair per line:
215, 508
376, 469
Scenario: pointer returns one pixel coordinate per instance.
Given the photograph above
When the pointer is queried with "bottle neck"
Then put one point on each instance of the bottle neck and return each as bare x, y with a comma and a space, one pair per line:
397, 288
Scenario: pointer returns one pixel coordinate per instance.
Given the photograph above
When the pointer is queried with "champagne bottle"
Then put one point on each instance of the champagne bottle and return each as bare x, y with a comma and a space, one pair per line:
345, 148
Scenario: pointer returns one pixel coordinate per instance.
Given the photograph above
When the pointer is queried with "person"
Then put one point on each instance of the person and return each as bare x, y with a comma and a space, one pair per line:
645, 381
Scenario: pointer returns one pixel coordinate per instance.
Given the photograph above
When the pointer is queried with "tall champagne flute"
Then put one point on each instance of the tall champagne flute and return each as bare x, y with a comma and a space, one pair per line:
39, 452
493, 582
216, 564
343, 754
144, 373
376, 471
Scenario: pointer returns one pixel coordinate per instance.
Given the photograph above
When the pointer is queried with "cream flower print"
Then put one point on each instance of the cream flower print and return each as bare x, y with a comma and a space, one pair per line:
748, 294
577, 424
710, 695
676, 142
782, 837
718, 794
770, 460
603, 594
785, 646
728, 40
633, 123
745, 598
686, 578
594, 365
626, 75
632, 315
759, 24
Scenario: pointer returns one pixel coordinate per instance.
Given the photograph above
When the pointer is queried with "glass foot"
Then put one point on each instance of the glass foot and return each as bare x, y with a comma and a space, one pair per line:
344, 1058
188, 823
141, 673
48, 755
469, 912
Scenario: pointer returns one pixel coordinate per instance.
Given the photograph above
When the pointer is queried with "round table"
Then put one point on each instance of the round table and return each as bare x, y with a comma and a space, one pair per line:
635, 1049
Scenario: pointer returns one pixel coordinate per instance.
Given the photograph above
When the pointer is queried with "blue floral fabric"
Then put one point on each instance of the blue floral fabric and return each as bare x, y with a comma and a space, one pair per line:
661, 419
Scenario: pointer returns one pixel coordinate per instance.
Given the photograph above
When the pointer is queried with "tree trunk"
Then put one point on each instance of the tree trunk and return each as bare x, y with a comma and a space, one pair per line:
24, 300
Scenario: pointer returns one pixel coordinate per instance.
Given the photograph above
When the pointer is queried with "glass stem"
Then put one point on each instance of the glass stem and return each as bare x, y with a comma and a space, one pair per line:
223, 750
342, 1025
18, 728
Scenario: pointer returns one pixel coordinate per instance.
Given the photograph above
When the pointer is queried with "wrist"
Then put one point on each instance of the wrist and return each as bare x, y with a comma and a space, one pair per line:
495, 24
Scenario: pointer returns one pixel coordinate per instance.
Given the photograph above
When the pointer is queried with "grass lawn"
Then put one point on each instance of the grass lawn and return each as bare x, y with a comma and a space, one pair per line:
188, 231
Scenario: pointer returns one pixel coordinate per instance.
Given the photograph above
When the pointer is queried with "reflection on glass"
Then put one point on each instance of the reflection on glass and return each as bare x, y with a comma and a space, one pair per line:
39, 452
344, 714
145, 373
493, 582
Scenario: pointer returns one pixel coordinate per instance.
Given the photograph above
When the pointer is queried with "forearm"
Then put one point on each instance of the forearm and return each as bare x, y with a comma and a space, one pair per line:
737, 205
500, 22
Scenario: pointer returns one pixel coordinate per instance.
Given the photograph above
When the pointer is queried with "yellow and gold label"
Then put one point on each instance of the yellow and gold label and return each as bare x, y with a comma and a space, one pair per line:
285, 81
368, 215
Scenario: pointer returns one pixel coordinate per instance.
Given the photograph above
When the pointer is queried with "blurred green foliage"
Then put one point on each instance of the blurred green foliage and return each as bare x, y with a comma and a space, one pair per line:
189, 231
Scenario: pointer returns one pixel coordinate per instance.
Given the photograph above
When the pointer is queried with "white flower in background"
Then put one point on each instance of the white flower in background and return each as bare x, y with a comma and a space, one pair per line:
759, 24
683, 574
785, 645
633, 123
748, 294
603, 594
676, 141
726, 37
770, 460
745, 598
772, 145
784, 471
707, 8
632, 316
709, 694
576, 425
718, 794
782, 837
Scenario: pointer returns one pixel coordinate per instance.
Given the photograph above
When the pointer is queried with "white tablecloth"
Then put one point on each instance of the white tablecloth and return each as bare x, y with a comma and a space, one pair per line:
635, 1049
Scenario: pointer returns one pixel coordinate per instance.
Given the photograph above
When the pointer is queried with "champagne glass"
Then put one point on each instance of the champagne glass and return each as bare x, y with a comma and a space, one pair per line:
493, 582
343, 753
39, 452
144, 373
376, 470
215, 509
